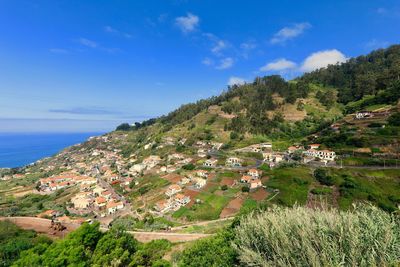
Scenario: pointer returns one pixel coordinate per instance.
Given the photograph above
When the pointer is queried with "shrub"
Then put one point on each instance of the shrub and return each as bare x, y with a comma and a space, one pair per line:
212, 251
322, 177
123, 127
394, 119
366, 236
188, 167
245, 189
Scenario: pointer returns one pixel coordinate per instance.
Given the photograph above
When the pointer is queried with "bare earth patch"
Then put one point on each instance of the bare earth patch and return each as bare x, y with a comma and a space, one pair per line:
232, 208
259, 195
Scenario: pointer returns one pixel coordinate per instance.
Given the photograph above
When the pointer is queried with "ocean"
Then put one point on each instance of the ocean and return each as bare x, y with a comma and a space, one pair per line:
18, 149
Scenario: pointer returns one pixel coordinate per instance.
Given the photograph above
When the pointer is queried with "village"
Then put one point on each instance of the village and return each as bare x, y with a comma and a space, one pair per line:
104, 178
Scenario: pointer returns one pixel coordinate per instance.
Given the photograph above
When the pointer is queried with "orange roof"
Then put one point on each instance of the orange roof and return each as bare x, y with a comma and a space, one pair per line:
100, 200
246, 178
113, 204
174, 187
256, 181
253, 170
180, 196
161, 204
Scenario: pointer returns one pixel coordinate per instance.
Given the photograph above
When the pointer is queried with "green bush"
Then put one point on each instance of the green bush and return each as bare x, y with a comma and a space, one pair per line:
322, 177
366, 236
213, 251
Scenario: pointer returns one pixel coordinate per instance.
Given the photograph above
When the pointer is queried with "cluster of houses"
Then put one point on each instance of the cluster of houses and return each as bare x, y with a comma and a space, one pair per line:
203, 148
98, 200
64, 180
175, 199
252, 179
313, 152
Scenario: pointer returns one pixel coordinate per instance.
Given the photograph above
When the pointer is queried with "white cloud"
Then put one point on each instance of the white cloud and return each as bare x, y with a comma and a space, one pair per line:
187, 23
279, 65
225, 63
112, 30
220, 45
207, 61
288, 33
87, 42
235, 80
322, 59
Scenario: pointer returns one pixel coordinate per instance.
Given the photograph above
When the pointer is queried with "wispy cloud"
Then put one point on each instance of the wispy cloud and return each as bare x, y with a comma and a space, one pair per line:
87, 42
392, 12
207, 61
288, 33
86, 111
375, 44
112, 30
281, 64
225, 63
95, 45
235, 81
217, 45
58, 51
187, 23
247, 47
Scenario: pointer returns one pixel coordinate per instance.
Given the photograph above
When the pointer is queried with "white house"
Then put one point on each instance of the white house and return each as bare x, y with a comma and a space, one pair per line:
256, 183
363, 114
173, 189
254, 173
200, 182
112, 207
234, 162
182, 199
210, 163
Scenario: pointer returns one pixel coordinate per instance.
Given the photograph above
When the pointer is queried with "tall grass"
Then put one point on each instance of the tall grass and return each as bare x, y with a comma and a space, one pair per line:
365, 236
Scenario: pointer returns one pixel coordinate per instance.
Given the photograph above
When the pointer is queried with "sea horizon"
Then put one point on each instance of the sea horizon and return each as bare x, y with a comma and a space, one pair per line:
18, 149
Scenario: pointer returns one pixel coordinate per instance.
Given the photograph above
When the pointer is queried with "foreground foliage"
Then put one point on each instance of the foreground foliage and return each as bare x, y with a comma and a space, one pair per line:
88, 246
14, 240
300, 236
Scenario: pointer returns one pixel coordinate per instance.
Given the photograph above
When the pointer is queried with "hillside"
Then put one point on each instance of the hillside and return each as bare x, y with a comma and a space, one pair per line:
271, 141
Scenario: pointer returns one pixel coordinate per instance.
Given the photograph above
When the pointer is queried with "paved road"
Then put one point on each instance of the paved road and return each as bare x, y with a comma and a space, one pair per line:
43, 226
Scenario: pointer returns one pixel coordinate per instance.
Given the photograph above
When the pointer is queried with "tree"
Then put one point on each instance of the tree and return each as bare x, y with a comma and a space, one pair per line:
115, 248
123, 127
213, 251
322, 177
394, 119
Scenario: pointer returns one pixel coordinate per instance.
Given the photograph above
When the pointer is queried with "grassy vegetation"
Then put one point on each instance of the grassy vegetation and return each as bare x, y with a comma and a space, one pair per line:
381, 187
300, 236
209, 209
32, 204
293, 184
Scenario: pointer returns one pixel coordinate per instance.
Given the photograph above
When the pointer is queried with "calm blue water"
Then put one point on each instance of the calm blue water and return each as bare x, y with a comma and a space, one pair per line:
21, 149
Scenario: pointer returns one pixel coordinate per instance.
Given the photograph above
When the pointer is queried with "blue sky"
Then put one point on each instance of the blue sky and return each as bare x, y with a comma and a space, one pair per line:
90, 65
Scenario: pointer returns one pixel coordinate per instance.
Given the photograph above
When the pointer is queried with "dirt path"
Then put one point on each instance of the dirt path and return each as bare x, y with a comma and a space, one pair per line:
201, 223
41, 225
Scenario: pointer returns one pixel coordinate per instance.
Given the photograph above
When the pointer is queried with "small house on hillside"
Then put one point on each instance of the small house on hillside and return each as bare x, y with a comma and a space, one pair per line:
234, 162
